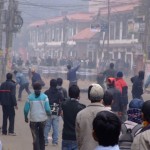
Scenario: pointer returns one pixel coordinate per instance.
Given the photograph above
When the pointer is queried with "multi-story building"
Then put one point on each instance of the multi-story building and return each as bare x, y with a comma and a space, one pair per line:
72, 35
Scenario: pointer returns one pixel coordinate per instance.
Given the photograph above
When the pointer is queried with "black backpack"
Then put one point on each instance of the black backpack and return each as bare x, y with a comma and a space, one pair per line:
126, 139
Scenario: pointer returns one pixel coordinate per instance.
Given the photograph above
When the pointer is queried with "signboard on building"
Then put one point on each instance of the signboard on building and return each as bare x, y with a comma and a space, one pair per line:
99, 27
135, 27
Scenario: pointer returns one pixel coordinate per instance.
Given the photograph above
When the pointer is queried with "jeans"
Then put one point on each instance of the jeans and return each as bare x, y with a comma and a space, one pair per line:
54, 122
21, 88
69, 145
37, 130
8, 113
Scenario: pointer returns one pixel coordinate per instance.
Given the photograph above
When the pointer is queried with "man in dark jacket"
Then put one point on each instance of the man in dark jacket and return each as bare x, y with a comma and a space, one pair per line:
8, 102
55, 100
111, 72
62, 90
71, 75
117, 104
72, 105
137, 87
36, 77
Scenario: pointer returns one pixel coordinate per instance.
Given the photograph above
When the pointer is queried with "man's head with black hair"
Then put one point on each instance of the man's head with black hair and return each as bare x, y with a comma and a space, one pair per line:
106, 128
15, 71
107, 98
53, 83
111, 65
146, 111
141, 75
59, 81
69, 67
74, 92
9, 76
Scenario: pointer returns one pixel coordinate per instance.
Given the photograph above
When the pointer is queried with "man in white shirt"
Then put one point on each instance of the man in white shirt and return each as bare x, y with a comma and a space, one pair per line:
106, 130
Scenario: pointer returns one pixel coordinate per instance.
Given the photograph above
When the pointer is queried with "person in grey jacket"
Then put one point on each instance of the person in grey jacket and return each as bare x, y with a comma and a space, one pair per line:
86, 116
23, 82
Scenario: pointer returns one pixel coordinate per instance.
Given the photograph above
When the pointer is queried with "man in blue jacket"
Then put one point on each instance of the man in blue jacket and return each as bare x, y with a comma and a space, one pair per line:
23, 82
71, 75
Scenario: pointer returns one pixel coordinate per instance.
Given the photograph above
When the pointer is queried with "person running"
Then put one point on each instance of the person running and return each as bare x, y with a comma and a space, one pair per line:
9, 104
38, 105
72, 105
23, 82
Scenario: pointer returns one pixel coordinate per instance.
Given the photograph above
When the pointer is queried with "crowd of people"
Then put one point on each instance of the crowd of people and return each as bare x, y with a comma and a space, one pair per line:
107, 123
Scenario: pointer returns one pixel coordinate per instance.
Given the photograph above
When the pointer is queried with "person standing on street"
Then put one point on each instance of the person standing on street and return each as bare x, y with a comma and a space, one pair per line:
137, 87
122, 86
23, 82
71, 74
111, 72
117, 105
85, 118
38, 105
55, 100
61, 89
70, 108
36, 77
9, 104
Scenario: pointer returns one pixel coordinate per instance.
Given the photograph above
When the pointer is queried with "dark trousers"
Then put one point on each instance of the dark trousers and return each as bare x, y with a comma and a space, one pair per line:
8, 113
37, 130
21, 88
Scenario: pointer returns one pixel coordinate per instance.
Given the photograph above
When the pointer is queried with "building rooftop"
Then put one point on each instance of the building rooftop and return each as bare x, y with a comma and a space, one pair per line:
84, 35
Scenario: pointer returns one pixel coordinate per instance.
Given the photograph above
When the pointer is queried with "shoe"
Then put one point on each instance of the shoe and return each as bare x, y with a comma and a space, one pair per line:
19, 99
54, 144
12, 134
4, 133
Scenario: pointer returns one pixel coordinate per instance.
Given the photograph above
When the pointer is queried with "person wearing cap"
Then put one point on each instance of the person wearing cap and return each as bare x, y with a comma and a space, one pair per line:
122, 86
142, 139
71, 74
117, 104
85, 118
23, 82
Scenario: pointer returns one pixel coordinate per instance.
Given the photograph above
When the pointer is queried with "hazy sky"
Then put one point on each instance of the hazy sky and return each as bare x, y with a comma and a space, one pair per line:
42, 9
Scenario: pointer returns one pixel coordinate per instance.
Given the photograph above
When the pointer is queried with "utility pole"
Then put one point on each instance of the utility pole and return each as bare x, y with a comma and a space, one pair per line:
108, 36
9, 36
108, 27
1, 25
146, 44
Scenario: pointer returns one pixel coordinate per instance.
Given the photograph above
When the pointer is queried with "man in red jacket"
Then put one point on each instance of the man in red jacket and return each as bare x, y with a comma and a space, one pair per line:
122, 86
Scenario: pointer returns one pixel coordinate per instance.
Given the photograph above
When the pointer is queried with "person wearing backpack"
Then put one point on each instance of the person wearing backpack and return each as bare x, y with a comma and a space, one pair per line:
55, 100
142, 139
132, 126
62, 90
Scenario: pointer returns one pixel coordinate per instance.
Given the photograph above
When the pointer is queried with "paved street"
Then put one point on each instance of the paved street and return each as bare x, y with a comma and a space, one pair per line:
23, 140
